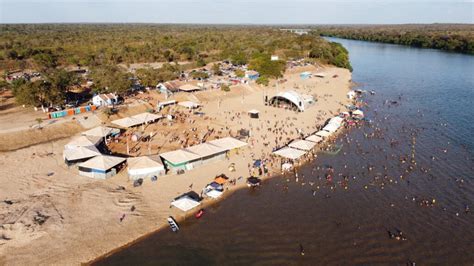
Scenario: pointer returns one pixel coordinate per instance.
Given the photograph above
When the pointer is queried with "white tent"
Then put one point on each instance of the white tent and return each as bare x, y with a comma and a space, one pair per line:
336, 120
82, 141
314, 138
303, 145
179, 156
137, 120
189, 104
228, 143
102, 162
331, 128
100, 131
214, 193
323, 134
80, 153
185, 203
289, 153
145, 166
358, 112
205, 149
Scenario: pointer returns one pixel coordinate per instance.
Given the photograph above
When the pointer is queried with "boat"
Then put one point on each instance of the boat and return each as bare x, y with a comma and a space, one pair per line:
199, 213
333, 150
173, 224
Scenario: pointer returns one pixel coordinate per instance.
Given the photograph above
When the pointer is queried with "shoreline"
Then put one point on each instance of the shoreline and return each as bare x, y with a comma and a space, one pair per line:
86, 239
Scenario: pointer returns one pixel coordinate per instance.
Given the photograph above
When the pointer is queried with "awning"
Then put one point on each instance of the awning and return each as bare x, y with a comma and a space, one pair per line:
102, 162
185, 203
80, 153
289, 153
101, 131
179, 156
323, 134
314, 138
137, 120
228, 143
303, 145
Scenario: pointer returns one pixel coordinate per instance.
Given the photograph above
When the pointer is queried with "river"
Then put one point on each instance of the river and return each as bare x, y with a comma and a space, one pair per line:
411, 169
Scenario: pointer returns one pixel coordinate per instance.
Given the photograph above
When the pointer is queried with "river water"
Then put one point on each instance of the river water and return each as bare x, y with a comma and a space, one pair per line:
411, 169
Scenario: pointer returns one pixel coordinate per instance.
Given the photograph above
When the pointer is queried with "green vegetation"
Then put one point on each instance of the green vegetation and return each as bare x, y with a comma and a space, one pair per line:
105, 48
450, 37
199, 74
263, 81
225, 87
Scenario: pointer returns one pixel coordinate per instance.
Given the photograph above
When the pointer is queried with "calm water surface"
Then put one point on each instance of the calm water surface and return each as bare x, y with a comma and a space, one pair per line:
431, 121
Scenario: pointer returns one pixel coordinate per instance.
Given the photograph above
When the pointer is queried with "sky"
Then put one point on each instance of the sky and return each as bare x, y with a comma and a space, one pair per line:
238, 11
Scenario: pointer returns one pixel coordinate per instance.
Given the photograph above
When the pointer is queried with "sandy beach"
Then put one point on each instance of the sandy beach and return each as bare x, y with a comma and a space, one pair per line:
52, 215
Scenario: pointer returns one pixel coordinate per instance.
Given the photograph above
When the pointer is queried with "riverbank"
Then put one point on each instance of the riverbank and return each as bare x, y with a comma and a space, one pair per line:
59, 217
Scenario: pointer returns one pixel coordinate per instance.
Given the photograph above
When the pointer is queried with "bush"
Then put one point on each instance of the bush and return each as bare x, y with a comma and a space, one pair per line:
225, 88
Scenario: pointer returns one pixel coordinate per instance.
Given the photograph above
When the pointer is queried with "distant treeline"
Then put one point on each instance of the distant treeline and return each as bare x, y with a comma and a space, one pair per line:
105, 48
51, 45
450, 37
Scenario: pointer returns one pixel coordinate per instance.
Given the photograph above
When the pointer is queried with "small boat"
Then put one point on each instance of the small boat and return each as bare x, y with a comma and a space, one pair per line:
199, 213
173, 224
333, 150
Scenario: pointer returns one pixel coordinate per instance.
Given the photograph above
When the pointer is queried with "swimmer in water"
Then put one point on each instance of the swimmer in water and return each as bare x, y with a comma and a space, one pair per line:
301, 250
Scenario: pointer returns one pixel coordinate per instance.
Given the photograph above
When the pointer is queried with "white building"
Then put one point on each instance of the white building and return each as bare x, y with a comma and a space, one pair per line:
105, 99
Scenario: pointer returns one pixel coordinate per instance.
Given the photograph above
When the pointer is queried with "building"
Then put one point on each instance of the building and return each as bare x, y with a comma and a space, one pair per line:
105, 99
145, 166
101, 167
252, 75
169, 87
293, 100
179, 160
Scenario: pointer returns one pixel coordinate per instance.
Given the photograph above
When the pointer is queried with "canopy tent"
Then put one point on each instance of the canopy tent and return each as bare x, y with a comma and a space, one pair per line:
205, 149
179, 157
303, 145
136, 120
314, 138
145, 166
222, 179
189, 88
331, 128
358, 112
189, 104
323, 134
185, 203
289, 153
228, 143
80, 153
290, 96
214, 193
102, 162
254, 113
82, 141
101, 131
336, 120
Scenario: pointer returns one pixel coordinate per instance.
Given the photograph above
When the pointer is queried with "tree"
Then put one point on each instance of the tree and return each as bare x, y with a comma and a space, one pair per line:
267, 68
263, 81
216, 69
39, 121
239, 73
225, 87
111, 79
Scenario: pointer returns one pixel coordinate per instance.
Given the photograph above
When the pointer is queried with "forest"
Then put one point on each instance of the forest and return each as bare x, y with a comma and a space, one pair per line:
105, 48
457, 38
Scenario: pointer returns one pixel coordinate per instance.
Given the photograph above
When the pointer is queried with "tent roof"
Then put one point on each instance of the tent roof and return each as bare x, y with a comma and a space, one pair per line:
188, 104
314, 138
179, 156
102, 162
189, 87
291, 96
289, 153
144, 162
254, 111
82, 141
323, 134
302, 145
214, 193
331, 128
336, 120
137, 119
205, 149
358, 112
81, 152
228, 143
100, 131
185, 203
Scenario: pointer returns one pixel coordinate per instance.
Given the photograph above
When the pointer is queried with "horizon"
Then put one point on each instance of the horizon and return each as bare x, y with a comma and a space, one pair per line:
238, 12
